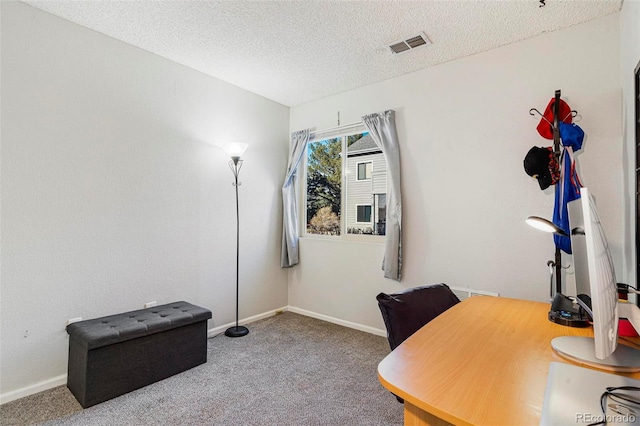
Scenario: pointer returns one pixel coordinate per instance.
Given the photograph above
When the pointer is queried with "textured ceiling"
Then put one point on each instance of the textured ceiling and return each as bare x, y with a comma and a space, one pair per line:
297, 51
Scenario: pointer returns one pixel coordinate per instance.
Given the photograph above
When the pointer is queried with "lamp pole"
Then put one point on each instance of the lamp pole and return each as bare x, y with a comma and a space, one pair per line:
237, 331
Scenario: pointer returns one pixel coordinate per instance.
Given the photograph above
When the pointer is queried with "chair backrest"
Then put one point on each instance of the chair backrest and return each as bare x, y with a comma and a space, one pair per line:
406, 312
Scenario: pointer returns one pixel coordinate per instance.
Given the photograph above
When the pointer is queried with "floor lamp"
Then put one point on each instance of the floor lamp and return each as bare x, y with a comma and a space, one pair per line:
235, 151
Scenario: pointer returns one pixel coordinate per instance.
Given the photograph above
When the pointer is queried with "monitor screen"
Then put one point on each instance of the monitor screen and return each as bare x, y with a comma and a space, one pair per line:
594, 271
595, 278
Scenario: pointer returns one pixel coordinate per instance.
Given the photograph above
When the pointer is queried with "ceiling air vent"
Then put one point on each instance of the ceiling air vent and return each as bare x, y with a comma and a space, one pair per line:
409, 43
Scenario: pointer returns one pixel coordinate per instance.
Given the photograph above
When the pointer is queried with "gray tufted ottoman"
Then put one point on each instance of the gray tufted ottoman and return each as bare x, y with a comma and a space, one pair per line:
116, 354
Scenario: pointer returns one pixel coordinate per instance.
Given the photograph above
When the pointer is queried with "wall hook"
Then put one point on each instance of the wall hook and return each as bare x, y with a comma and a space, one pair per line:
572, 113
541, 115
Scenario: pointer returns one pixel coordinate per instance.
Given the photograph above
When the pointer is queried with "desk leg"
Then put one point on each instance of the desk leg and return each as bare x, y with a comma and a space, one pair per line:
414, 416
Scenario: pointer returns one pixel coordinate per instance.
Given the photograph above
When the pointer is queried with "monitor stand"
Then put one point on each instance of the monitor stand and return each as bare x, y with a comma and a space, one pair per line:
582, 350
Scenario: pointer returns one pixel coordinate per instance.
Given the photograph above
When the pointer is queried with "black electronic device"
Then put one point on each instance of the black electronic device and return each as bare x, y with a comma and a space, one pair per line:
565, 311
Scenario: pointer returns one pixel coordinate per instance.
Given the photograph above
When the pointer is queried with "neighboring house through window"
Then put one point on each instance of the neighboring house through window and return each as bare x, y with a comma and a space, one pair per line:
346, 183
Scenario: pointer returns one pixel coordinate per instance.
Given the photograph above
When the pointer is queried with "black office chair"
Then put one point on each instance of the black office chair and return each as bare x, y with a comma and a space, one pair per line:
406, 312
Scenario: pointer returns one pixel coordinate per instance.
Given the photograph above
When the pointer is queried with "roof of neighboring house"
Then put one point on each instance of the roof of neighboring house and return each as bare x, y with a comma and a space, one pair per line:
363, 145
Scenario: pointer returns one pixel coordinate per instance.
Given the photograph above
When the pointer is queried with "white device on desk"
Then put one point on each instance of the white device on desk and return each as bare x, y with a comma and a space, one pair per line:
573, 397
595, 278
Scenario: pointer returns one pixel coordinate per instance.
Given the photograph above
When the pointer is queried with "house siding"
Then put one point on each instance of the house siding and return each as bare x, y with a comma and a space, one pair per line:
361, 192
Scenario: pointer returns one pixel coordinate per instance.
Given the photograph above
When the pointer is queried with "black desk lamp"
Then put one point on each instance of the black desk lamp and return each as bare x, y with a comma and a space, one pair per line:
235, 151
563, 309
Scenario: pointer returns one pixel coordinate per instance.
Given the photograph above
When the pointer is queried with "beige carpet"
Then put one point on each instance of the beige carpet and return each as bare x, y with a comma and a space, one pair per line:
289, 370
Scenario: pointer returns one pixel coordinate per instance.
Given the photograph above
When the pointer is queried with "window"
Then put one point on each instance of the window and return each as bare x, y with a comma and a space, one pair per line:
346, 183
364, 170
363, 214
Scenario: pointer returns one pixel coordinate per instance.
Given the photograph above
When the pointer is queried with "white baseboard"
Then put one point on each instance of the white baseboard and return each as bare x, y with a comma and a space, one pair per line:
32, 389
62, 379
221, 328
356, 326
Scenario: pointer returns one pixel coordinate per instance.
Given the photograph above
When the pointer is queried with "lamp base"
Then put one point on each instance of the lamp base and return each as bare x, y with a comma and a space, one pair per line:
238, 331
568, 319
565, 311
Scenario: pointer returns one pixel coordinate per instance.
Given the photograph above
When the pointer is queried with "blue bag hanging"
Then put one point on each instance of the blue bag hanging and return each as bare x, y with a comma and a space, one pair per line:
568, 188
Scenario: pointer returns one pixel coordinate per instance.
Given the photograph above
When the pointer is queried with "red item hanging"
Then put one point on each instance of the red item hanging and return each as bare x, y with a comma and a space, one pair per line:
545, 127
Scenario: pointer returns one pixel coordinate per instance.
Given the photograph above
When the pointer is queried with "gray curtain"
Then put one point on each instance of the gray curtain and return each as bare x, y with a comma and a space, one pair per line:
290, 235
382, 127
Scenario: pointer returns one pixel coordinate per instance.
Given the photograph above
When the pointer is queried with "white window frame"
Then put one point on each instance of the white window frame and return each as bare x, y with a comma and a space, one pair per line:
344, 236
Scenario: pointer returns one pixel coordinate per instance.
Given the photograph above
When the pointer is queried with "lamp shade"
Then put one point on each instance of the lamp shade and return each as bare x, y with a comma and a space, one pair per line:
544, 225
235, 149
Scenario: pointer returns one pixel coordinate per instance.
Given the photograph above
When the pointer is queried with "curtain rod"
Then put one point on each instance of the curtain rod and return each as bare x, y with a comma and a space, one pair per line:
333, 129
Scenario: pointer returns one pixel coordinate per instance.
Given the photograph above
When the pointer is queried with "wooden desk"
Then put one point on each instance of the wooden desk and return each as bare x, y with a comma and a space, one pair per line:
482, 362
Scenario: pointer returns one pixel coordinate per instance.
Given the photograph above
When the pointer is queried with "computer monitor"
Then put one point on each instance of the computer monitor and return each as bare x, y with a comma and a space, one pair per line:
596, 279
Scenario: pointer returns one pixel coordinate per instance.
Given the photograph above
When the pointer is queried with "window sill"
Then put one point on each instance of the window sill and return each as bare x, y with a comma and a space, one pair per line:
351, 238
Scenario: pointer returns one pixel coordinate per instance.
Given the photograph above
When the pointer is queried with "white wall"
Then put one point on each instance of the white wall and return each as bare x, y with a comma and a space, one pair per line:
114, 195
465, 128
629, 60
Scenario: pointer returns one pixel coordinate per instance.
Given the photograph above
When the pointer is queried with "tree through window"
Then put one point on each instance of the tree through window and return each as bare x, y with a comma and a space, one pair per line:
324, 183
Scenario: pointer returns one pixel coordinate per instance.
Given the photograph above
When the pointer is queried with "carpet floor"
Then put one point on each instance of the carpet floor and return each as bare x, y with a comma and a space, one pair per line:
289, 370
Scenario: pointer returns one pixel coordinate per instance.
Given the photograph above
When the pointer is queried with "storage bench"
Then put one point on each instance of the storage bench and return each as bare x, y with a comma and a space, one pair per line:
113, 355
